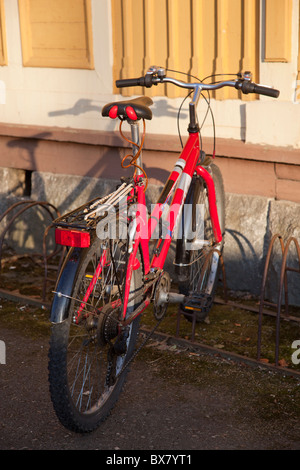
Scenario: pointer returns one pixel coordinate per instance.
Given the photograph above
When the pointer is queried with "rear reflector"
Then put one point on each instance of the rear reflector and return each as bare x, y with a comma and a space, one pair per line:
74, 238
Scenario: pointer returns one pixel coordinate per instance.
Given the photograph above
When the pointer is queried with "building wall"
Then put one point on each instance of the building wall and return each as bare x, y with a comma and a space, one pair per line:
66, 88
57, 94
67, 94
57, 69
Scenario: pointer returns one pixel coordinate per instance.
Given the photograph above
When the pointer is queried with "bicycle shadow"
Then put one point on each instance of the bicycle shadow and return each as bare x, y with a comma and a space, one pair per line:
29, 144
163, 108
26, 232
81, 106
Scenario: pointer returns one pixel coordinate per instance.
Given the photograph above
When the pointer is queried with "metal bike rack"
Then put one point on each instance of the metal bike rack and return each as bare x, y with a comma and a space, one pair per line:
27, 204
282, 286
193, 316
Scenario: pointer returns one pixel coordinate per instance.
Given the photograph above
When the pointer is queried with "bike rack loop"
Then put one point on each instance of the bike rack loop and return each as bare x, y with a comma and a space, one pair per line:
45, 205
283, 284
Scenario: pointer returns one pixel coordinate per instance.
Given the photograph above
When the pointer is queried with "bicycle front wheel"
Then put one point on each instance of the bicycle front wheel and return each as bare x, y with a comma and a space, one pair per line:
88, 353
197, 256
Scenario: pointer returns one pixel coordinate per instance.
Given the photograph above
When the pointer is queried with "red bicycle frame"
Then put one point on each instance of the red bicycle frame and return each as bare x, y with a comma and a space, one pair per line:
179, 180
181, 175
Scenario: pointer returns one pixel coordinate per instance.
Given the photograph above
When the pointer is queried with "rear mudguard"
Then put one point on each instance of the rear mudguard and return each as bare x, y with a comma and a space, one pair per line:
64, 286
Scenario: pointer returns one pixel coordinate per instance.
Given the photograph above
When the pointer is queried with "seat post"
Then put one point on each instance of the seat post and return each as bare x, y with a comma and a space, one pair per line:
135, 137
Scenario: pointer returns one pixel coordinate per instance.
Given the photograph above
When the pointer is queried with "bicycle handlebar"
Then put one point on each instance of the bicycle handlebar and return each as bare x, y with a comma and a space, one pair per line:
155, 76
250, 87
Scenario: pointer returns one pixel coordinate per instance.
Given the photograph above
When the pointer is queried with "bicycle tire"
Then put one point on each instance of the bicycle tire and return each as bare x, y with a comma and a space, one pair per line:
83, 396
198, 270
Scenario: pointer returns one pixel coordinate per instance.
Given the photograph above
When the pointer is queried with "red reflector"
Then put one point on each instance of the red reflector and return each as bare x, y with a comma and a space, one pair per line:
113, 113
72, 238
131, 113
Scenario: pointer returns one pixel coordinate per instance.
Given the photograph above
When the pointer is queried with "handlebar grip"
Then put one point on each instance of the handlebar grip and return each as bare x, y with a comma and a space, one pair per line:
250, 87
141, 81
263, 90
130, 82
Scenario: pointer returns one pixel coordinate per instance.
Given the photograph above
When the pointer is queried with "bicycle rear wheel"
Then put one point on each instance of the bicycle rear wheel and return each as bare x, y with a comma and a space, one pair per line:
88, 354
197, 255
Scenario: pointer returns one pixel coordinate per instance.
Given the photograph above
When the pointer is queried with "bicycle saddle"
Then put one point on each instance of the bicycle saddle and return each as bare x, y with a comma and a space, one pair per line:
137, 108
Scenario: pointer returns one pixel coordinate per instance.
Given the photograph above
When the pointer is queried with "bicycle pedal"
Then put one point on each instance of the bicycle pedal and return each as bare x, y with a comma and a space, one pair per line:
198, 302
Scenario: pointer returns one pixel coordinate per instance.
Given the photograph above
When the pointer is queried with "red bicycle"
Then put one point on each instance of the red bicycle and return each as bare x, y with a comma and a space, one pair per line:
114, 267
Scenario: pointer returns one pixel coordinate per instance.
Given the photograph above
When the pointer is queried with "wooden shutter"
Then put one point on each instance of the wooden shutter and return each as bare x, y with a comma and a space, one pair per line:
201, 37
56, 33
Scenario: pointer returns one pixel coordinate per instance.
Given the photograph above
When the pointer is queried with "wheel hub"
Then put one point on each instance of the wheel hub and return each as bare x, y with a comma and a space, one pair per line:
107, 327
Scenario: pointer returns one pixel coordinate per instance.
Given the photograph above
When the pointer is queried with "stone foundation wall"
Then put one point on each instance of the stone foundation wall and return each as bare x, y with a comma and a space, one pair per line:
251, 221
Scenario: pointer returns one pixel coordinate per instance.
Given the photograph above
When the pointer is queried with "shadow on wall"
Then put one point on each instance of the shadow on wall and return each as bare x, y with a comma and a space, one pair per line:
244, 268
81, 106
243, 265
65, 192
22, 227
289, 261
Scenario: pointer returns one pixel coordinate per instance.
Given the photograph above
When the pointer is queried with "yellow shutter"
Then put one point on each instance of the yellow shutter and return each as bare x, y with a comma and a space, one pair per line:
3, 51
201, 37
298, 74
278, 30
56, 33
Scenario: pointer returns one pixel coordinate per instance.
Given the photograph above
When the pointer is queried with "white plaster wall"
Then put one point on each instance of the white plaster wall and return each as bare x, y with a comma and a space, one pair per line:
57, 97
74, 98
277, 122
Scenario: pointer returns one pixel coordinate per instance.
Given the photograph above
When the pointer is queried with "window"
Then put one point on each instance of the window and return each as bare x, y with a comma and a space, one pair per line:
56, 33
278, 27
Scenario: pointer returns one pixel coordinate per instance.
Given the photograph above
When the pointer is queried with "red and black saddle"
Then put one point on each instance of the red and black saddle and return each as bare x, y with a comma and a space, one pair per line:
132, 110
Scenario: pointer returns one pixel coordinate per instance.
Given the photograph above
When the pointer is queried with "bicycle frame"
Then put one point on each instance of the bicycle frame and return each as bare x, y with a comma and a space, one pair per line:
143, 226
181, 176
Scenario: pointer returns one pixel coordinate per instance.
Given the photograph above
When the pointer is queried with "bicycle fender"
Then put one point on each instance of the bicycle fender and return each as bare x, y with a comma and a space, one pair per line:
64, 287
